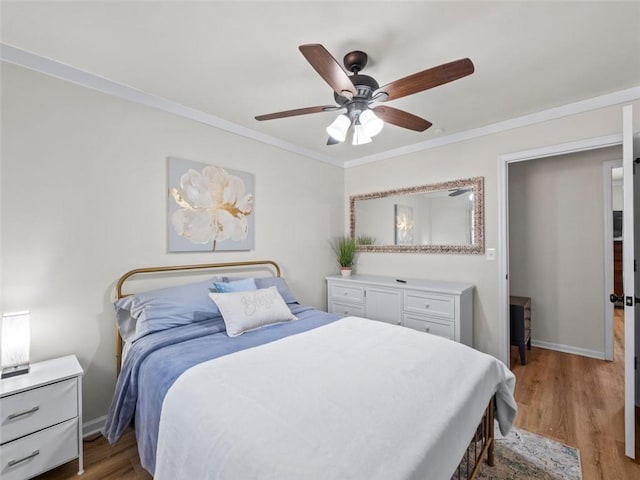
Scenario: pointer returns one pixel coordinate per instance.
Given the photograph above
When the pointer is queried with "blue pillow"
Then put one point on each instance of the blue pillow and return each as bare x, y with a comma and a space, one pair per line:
280, 284
244, 285
155, 310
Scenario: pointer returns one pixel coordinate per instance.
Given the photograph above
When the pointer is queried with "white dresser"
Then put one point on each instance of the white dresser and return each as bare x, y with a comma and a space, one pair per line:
41, 419
440, 308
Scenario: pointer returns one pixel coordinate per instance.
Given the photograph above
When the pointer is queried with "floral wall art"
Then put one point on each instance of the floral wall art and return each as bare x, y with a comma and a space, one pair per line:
404, 224
210, 208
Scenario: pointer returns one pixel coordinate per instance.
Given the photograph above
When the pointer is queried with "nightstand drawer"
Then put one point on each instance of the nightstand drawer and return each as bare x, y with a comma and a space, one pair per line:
40, 451
430, 304
32, 410
441, 328
347, 309
348, 293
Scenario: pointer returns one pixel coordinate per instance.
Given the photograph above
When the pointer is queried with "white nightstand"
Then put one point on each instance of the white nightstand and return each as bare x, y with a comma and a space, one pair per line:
41, 419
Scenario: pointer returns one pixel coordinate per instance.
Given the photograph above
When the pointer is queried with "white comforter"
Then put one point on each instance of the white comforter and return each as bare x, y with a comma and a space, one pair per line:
355, 399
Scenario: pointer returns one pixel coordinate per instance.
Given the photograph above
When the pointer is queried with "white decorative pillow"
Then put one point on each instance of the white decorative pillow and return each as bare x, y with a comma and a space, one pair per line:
245, 311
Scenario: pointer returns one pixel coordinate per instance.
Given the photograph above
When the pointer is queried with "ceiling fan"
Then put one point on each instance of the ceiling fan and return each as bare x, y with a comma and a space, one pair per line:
454, 192
355, 94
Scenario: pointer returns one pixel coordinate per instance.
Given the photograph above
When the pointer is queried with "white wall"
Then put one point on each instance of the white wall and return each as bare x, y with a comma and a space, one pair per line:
451, 220
556, 246
474, 157
617, 196
376, 219
84, 199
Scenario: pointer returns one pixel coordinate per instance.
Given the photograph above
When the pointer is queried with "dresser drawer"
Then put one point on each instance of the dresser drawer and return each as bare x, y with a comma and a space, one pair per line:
347, 293
441, 328
442, 308
39, 452
428, 303
347, 309
32, 410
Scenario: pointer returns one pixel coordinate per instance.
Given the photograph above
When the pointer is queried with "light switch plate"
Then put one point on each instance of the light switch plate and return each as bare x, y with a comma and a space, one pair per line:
491, 254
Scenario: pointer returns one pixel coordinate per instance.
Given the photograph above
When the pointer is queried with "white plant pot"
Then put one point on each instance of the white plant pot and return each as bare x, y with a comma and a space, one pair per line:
345, 271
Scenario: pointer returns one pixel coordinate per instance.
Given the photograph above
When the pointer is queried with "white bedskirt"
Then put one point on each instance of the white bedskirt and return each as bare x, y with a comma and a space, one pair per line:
355, 399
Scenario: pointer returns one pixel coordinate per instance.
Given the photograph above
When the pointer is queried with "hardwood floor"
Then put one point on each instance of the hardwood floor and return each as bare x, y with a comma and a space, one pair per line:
103, 461
575, 400
579, 401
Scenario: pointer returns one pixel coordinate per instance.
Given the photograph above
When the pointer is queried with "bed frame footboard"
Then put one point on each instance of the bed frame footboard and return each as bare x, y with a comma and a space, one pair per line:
482, 443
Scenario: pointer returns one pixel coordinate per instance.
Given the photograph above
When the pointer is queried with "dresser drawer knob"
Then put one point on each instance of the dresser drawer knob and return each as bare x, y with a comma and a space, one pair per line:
21, 414
28, 457
428, 329
426, 306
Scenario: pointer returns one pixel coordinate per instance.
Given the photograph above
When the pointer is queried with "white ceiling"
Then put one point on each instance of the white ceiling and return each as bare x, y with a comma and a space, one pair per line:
235, 60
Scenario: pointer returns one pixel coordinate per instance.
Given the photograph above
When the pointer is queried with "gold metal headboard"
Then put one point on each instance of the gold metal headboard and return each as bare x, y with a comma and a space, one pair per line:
179, 268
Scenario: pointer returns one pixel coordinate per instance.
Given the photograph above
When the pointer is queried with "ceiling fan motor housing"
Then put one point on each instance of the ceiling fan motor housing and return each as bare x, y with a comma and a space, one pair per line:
365, 86
355, 61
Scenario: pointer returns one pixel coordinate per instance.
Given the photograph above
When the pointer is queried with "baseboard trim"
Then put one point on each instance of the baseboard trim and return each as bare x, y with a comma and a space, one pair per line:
584, 352
93, 426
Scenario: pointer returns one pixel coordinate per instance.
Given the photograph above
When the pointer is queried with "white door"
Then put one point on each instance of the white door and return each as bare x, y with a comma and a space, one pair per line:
631, 279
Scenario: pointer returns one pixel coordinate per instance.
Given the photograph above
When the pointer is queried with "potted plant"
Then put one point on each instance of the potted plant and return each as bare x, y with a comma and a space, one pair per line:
345, 250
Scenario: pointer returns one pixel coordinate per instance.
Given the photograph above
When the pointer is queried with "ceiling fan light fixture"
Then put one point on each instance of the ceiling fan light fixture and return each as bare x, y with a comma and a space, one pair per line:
338, 129
371, 123
359, 137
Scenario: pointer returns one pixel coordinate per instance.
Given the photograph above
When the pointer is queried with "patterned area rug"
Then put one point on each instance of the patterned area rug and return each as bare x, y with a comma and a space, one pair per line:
523, 455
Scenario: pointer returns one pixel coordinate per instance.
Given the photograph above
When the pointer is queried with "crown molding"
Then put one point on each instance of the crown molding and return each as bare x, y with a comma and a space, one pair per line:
615, 98
71, 74
47, 66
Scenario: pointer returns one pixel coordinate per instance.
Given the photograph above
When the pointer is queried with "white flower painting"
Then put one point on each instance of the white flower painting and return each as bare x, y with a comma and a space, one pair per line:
210, 208
404, 225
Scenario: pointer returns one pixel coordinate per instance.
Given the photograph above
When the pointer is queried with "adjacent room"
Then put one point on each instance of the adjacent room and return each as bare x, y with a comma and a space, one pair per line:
294, 221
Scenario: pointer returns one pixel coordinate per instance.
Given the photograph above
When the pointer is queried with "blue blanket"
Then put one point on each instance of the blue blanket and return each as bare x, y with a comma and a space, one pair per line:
155, 361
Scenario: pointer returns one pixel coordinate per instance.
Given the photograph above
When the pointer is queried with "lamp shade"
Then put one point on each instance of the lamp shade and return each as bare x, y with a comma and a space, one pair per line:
359, 138
371, 123
338, 129
16, 339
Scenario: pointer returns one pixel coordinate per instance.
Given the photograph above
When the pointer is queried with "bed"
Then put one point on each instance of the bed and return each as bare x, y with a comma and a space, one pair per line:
314, 396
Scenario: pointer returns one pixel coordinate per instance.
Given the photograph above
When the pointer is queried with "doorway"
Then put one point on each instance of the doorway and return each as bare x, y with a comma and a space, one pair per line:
503, 220
613, 207
557, 249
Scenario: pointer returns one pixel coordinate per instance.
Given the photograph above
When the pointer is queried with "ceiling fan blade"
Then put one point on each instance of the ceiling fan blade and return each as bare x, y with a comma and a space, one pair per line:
432, 77
458, 191
297, 111
401, 118
329, 69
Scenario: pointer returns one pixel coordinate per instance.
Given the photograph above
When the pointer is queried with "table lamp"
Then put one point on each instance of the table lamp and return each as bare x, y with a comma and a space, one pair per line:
16, 338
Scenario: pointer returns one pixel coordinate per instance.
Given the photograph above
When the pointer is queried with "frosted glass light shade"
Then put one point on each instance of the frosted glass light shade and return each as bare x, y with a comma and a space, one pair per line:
359, 138
16, 339
338, 129
371, 123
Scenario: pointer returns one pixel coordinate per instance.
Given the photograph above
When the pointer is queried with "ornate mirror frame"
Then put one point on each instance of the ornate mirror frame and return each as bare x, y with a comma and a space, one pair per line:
477, 247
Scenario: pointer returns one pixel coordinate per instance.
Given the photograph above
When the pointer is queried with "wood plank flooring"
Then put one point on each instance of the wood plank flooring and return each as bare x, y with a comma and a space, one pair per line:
572, 399
579, 401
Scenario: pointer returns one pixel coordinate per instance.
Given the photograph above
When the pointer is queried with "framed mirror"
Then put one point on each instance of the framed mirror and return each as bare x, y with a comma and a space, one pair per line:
445, 217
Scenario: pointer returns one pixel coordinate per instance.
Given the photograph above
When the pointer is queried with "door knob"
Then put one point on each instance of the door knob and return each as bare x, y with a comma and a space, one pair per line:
613, 298
628, 301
